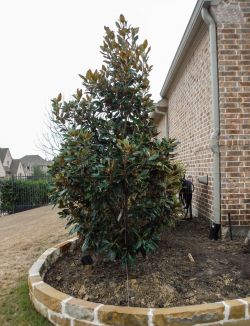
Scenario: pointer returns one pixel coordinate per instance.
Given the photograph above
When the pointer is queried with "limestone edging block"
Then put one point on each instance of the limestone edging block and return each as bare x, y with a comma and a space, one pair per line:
49, 296
237, 309
116, 316
190, 315
33, 280
80, 309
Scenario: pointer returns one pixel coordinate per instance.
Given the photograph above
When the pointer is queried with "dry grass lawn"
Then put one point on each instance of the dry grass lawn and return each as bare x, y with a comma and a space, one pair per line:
23, 237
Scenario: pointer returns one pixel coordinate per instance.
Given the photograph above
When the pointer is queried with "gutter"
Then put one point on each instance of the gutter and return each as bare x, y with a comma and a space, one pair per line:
214, 139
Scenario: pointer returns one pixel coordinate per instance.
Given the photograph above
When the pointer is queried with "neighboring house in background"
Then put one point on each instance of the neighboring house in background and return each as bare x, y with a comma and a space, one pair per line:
205, 105
16, 168
9, 166
2, 171
21, 167
6, 159
31, 161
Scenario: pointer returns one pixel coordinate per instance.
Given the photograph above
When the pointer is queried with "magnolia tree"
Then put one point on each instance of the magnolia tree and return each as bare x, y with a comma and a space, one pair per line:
114, 180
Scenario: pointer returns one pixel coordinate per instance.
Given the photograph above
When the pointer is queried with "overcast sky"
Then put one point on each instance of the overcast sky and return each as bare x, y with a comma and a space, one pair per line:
45, 44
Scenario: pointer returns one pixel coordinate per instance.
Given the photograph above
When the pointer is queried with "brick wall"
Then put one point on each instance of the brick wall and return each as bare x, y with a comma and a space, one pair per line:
189, 118
189, 112
233, 29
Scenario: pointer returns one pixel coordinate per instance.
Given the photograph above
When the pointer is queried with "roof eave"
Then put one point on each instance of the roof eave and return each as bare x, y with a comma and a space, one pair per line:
186, 41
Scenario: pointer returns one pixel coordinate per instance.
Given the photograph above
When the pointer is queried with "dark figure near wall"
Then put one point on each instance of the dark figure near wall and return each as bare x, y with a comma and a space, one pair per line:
186, 194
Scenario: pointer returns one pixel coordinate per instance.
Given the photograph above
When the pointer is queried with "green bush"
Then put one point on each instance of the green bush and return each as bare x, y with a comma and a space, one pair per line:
21, 194
115, 181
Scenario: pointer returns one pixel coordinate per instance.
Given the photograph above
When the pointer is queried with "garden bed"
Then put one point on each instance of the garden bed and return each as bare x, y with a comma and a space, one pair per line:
167, 278
63, 309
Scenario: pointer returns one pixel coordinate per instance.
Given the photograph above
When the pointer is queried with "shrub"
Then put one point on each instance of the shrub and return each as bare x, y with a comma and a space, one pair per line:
6, 196
18, 194
38, 172
114, 180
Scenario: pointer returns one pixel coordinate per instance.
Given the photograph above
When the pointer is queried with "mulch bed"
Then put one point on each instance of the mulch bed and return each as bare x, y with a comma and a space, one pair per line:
166, 278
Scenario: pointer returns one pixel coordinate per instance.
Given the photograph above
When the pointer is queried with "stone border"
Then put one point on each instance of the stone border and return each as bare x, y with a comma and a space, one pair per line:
62, 309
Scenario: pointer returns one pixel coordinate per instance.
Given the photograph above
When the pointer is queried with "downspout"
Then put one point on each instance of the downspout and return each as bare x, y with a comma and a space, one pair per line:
214, 139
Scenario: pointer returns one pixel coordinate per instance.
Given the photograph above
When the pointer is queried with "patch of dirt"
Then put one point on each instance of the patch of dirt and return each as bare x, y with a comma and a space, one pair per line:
221, 270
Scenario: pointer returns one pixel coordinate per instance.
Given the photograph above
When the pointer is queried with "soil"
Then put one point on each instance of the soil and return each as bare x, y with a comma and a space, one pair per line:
166, 278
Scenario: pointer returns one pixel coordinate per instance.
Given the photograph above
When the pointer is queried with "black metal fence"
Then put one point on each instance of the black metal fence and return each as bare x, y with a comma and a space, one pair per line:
21, 193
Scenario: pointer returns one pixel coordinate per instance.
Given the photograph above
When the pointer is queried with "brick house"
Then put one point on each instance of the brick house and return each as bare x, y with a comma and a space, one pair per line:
31, 161
205, 105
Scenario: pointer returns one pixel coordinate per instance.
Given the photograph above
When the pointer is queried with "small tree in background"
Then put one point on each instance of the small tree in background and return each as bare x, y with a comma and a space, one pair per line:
38, 171
111, 178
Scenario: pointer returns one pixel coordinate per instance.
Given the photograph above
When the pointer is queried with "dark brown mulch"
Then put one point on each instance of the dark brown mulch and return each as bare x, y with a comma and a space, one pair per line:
166, 278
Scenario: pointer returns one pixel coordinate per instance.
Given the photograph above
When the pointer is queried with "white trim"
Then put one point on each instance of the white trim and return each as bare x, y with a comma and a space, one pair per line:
150, 317
226, 311
96, 320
